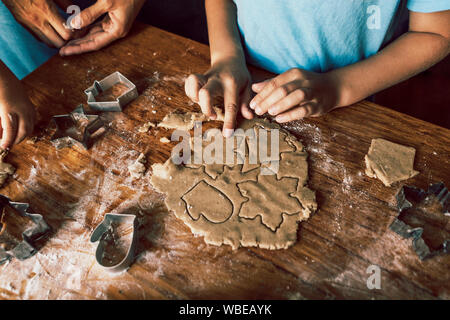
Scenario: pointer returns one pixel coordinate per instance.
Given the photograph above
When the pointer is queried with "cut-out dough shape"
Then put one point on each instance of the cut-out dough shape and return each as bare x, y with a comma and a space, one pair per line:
216, 207
269, 198
288, 166
390, 162
265, 209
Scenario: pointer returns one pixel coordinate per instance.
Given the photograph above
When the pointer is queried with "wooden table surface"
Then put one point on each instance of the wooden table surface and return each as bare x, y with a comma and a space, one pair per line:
73, 189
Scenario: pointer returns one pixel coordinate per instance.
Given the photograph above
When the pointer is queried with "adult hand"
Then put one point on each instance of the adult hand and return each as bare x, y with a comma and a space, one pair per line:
296, 94
228, 79
42, 19
120, 15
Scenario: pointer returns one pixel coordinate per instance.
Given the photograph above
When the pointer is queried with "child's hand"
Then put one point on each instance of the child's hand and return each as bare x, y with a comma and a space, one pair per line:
229, 79
296, 94
17, 116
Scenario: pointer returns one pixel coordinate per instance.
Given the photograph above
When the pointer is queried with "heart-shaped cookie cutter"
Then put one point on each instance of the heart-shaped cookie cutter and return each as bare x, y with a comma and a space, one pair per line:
105, 228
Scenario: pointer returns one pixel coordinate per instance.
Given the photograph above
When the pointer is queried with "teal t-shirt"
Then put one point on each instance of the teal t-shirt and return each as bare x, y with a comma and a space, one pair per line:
19, 50
321, 35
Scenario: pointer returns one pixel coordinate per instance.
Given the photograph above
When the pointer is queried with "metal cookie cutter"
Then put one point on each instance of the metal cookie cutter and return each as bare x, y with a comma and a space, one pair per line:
30, 236
68, 131
106, 84
105, 233
405, 199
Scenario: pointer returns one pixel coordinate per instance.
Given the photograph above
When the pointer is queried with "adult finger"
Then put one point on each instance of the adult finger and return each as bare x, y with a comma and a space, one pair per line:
40, 36
294, 98
72, 45
213, 88
9, 129
245, 99
91, 42
295, 114
52, 36
230, 98
58, 23
273, 84
193, 84
89, 15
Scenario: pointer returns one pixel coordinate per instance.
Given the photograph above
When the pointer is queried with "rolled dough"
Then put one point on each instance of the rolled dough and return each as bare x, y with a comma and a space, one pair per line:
390, 162
228, 206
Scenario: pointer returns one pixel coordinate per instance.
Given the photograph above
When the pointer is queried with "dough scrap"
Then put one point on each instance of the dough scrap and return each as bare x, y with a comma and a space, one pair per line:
146, 126
226, 205
390, 162
137, 169
164, 140
6, 169
186, 121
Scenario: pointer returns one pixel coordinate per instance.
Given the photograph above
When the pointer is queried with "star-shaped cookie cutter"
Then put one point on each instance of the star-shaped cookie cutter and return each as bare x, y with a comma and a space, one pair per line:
68, 131
104, 232
405, 198
26, 248
106, 84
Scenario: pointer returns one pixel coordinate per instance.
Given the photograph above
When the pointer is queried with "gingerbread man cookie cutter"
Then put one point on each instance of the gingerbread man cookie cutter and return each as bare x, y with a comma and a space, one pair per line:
104, 233
108, 83
27, 248
405, 199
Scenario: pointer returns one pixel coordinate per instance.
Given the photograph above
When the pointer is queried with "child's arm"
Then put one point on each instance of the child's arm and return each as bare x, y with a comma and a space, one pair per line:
228, 76
297, 93
17, 114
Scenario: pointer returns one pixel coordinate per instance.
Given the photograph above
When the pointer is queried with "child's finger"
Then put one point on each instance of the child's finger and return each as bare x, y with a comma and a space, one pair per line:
212, 89
245, 98
278, 94
193, 84
275, 96
295, 114
231, 96
9, 126
294, 98
270, 86
257, 87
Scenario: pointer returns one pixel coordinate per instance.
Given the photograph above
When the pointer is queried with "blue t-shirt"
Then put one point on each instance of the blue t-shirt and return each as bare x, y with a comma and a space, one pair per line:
321, 35
19, 50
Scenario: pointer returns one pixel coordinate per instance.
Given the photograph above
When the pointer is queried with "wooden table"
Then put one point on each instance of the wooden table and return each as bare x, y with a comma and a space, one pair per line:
73, 189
